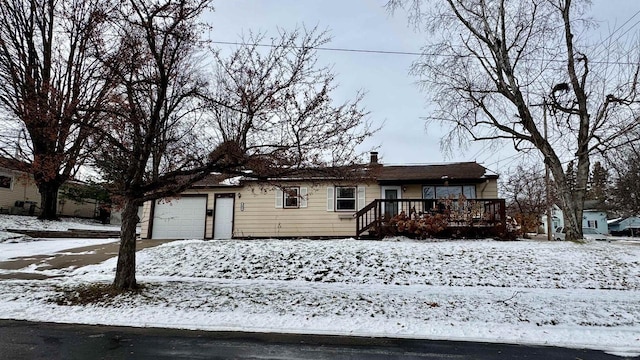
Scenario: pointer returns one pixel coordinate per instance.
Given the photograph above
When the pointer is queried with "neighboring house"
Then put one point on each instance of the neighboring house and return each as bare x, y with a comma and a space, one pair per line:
595, 219
317, 205
629, 226
19, 193
592, 217
85, 208
557, 219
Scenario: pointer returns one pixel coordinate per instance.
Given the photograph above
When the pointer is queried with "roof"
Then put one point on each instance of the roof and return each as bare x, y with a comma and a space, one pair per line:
451, 171
615, 221
465, 171
13, 164
216, 180
622, 219
594, 205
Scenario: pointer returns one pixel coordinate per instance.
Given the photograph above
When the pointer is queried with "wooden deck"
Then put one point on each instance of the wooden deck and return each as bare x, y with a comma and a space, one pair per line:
384, 216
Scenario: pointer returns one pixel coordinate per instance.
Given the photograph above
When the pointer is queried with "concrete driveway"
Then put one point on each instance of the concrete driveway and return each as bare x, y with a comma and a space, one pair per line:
76, 257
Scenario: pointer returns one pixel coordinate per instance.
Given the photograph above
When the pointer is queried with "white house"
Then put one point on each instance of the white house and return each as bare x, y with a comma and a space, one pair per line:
591, 218
557, 219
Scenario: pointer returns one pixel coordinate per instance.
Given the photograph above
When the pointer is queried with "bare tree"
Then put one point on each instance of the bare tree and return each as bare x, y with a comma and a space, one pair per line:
525, 194
150, 147
625, 190
492, 63
49, 83
599, 185
168, 130
624, 165
277, 104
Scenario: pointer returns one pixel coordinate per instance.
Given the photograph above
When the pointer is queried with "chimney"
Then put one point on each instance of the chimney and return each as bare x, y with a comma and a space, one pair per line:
374, 158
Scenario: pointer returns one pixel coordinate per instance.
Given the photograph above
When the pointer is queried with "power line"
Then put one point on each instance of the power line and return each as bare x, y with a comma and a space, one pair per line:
394, 52
618, 29
366, 51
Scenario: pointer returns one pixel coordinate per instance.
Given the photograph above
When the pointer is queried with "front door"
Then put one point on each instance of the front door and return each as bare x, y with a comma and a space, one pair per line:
223, 216
390, 209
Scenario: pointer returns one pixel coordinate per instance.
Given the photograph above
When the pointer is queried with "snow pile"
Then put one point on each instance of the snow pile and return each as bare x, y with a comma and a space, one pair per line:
551, 293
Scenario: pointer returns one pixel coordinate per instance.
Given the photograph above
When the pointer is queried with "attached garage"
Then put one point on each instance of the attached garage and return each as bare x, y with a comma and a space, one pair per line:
182, 218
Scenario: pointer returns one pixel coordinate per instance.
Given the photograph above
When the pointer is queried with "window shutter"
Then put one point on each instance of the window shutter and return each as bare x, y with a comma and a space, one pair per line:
361, 197
303, 197
279, 196
329, 198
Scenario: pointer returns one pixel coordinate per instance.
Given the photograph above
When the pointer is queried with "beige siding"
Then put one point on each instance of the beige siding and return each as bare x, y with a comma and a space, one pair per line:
86, 209
145, 220
256, 214
488, 189
23, 188
412, 191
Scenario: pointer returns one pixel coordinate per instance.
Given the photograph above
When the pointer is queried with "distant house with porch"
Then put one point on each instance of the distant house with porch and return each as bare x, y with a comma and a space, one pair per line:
323, 205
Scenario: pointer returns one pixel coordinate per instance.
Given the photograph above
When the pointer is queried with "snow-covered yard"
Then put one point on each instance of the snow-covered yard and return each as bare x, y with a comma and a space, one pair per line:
553, 293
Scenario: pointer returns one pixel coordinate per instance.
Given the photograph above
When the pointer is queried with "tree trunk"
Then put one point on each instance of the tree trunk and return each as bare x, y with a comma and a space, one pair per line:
572, 200
49, 200
572, 219
126, 269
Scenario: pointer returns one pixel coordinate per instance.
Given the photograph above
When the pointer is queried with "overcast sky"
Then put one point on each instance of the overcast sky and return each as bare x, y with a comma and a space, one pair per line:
392, 95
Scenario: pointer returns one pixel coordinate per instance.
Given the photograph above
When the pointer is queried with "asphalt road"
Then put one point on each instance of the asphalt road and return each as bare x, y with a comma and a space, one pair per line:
27, 340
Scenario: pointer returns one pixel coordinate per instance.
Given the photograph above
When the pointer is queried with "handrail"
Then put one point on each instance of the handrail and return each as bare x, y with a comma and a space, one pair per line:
369, 219
377, 213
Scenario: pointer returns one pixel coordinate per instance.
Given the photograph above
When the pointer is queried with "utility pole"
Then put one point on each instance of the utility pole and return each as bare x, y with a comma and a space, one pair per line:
546, 172
547, 181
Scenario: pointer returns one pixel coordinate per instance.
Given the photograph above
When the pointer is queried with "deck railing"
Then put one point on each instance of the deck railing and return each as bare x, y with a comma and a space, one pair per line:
458, 212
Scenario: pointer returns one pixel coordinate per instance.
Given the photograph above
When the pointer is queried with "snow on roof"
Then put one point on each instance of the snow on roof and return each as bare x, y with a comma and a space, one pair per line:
234, 181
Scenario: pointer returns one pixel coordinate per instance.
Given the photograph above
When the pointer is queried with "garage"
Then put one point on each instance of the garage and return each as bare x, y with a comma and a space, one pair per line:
182, 218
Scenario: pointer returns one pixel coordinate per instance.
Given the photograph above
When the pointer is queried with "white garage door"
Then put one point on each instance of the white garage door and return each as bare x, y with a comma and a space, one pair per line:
182, 218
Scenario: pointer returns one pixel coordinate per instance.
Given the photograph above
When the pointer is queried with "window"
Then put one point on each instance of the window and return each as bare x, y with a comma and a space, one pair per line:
428, 192
445, 192
469, 191
345, 198
5, 181
592, 224
291, 197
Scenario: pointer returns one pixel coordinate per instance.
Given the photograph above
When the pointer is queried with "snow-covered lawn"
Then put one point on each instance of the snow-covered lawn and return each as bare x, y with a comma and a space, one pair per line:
552, 293
32, 223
